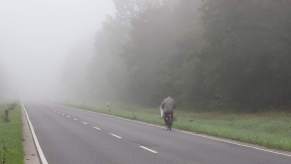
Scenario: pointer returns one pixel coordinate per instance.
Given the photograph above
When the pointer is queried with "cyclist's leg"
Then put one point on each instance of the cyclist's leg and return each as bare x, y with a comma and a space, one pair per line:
171, 119
167, 119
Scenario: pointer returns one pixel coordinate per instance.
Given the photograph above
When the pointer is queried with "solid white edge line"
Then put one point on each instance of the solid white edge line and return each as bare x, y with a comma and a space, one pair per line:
38, 147
97, 128
116, 136
238, 144
194, 134
148, 149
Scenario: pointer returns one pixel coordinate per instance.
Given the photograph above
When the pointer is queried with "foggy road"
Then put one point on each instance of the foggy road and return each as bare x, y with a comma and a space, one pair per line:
73, 136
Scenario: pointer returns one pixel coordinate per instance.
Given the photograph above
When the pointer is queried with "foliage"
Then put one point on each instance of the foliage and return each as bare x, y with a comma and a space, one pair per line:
11, 150
205, 53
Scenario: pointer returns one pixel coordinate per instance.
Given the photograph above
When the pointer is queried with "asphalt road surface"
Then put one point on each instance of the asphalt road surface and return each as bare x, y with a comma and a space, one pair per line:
72, 136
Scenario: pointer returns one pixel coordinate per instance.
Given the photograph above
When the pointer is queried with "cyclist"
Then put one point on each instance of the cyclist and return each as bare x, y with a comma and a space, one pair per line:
167, 108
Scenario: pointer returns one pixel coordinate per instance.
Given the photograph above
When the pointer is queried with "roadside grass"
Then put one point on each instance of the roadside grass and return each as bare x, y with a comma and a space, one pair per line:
269, 129
11, 135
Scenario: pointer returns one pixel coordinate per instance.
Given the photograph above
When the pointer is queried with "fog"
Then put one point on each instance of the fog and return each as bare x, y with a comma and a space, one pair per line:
203, 53
36, 39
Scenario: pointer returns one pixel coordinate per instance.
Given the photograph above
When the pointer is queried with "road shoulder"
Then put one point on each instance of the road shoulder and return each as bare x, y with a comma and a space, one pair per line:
30, 152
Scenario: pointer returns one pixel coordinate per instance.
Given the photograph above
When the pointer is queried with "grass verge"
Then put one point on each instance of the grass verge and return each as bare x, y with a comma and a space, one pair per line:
268, 129
11, 135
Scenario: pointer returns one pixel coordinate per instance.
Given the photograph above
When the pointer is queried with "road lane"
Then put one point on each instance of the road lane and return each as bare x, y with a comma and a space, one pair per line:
68, 141
65, 141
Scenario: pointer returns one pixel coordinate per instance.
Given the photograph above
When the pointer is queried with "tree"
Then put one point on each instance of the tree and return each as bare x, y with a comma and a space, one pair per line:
206, 53
248, 46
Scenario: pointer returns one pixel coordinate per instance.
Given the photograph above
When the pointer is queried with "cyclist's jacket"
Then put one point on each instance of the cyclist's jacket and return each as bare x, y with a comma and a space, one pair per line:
168, 105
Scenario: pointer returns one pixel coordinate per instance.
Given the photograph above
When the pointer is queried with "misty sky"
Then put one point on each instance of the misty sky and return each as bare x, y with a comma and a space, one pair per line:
37, 35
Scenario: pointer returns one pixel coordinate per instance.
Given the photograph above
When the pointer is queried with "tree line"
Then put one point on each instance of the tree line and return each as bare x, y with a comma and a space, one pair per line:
202, 52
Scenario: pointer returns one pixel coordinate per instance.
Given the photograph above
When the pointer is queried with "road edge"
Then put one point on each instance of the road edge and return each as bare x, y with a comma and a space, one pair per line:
29, 148
40, 153
223, 140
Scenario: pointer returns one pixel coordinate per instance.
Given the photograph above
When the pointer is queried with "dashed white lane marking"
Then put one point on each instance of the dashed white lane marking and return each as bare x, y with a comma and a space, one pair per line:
75, 119
84, 123
68, 116
148, 149
97, 128
116, 136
